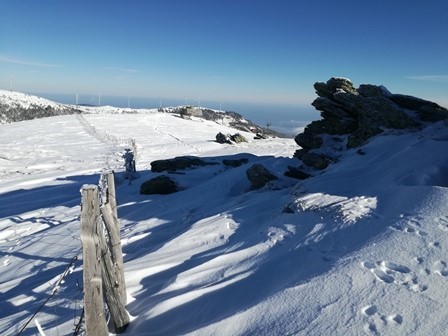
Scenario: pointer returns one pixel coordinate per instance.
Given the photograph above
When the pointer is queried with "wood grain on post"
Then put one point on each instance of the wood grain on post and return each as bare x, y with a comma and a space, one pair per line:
113, 229
111, 194
91, 253
112, 289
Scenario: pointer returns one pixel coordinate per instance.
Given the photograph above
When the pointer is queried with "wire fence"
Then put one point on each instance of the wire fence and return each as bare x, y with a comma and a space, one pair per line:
105, 196
68, 270
107, 137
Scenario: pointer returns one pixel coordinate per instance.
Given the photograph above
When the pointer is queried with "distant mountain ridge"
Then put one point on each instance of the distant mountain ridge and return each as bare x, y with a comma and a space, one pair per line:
17, 106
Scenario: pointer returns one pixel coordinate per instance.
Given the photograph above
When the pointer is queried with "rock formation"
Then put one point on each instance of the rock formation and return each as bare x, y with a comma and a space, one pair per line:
162, 185
258, 175
351, 116
178, 163
229, 139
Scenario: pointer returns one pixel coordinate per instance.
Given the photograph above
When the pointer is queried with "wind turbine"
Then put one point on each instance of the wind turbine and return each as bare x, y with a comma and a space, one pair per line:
10, 83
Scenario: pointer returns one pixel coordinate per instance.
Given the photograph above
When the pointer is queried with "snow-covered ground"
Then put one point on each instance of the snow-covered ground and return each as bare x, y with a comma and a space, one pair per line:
362, 248
19, 99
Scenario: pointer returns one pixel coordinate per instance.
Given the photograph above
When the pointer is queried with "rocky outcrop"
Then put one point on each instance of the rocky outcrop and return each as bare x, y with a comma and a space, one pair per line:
229, 139
258, 175
162, 185
234, 162
296, 173
178, 163
352, 116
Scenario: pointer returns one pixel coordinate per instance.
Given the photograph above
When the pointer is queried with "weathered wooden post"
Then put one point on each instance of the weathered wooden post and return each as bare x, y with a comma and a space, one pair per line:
111, 194
93, 286
110, 217
112, 290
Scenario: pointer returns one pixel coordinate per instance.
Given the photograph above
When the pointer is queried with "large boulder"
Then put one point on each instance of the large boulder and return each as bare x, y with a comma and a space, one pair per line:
308, 140
162, 185
178, 163
315, 160
223, 139
334, 85
355, 115
229, 139
258, 175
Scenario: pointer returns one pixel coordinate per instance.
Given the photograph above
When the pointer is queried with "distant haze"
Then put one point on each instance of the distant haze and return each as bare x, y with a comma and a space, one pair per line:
286, 118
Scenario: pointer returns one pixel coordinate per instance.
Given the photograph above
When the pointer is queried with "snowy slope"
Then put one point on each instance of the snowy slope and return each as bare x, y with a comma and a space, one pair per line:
361, 250
23, 100
16, 106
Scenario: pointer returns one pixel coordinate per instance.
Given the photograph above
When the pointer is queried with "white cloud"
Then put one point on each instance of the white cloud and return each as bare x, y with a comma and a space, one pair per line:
7, 59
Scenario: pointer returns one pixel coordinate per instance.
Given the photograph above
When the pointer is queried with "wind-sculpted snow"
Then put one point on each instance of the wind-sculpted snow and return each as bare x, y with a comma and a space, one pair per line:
361, 250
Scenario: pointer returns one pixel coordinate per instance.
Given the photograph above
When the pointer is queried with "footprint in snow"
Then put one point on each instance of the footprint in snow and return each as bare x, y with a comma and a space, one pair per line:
392, 273
442, 223
377, 323
410, 228
441, 268
369, 310
435, 244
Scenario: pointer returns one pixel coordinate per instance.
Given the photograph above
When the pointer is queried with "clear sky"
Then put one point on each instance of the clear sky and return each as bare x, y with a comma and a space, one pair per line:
226, 50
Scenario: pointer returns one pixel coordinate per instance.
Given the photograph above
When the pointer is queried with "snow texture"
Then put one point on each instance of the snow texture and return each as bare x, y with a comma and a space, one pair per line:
362, 251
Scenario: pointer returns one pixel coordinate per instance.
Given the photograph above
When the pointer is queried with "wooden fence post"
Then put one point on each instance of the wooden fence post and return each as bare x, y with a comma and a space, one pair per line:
118, 312
111, 194
113, 228
93, 289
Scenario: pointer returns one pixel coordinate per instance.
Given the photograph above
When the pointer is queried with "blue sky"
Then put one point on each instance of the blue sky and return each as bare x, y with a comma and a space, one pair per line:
227, 50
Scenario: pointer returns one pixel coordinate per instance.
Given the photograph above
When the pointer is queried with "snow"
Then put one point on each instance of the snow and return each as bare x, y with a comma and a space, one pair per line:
13, 98
362, 253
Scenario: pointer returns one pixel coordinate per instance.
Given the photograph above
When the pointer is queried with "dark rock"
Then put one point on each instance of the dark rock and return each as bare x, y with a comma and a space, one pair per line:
258, 175
287, 209
234, 163
299, 153
369, 90
332, 126
356, 115
178, 163
360, 152
333, 86
330, 108
375, 110
317, 161
222, 139
296, 173
238, 138
162, 185
427, 110
361, 135
259, 136
308, 140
